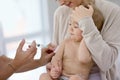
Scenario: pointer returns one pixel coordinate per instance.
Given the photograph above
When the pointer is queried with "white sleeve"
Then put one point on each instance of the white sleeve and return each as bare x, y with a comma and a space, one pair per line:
104, 48
55, 35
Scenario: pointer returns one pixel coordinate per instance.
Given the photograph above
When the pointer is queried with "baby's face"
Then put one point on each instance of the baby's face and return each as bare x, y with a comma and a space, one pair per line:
75, 32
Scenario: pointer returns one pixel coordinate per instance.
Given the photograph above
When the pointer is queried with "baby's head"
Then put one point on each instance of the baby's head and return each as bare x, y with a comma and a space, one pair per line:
74, 31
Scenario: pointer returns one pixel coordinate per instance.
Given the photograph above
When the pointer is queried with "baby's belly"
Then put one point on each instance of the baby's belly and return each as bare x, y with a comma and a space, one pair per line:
74, 67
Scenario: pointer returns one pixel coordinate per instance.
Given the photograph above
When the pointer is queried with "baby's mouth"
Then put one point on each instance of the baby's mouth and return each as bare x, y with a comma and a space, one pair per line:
68, 4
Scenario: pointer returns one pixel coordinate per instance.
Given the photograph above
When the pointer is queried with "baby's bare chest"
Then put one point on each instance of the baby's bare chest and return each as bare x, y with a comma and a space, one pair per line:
71, 51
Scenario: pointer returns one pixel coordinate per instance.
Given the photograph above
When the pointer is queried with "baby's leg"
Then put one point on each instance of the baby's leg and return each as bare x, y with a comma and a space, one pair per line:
77, 77
45, 76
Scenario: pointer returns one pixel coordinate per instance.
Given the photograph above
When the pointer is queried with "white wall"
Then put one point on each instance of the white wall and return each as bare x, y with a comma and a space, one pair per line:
2, 43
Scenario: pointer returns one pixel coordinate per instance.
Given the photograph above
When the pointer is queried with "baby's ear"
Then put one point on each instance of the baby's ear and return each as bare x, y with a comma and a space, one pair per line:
85, 3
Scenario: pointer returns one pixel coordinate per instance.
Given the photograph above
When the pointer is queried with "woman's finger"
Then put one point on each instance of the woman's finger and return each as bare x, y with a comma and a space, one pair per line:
21, 45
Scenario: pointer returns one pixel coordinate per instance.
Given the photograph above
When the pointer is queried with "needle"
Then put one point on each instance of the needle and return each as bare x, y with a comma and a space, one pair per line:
38, 45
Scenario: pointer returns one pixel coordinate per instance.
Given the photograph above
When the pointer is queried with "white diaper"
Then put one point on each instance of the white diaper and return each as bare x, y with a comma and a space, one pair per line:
95, 76
63, 78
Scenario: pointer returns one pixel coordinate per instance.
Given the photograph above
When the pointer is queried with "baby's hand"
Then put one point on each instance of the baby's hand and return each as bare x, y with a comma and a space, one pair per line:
55, 72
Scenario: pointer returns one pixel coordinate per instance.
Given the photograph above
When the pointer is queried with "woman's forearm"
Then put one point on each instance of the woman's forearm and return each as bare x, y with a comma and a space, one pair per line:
6, 68
100, 48
6, 71
30, 65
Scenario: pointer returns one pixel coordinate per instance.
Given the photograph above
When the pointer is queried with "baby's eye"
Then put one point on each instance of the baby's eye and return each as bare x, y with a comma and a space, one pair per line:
75, 26
70, 24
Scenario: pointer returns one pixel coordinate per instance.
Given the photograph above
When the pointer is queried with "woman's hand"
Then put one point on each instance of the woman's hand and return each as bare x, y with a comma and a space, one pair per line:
81, 12
47, 53
23, 57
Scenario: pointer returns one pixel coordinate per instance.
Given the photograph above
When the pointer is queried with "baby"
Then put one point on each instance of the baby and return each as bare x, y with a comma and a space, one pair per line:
73, 60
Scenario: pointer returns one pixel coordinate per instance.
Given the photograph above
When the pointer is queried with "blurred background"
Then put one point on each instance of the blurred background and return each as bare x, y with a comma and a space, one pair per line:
28, 19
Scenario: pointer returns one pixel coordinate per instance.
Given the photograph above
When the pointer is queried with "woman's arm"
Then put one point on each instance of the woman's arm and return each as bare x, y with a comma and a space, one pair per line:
5, 69
33, 64
103, 47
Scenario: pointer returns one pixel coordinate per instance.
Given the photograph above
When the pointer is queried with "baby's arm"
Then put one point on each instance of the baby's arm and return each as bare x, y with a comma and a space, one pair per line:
56, 62
55, 72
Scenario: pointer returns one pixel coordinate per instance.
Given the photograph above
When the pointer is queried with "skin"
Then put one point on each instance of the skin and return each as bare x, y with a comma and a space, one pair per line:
23, 60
